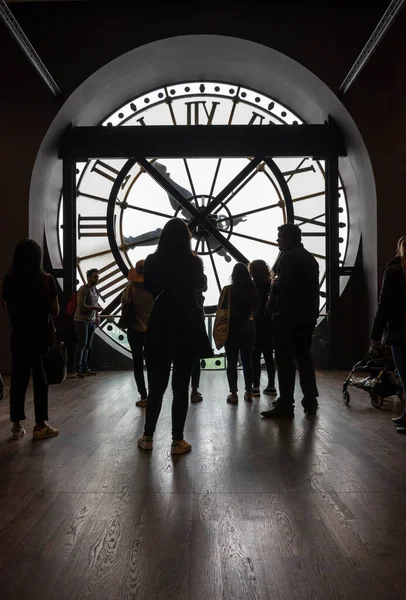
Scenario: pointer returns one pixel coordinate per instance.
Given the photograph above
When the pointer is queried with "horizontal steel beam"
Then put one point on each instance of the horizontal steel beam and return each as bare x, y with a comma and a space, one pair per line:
317, 141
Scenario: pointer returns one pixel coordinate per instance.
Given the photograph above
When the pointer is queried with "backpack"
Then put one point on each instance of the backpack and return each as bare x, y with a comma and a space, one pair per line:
73, 303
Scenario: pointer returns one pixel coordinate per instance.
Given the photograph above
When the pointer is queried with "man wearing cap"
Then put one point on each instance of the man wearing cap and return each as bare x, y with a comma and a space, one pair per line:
138, 304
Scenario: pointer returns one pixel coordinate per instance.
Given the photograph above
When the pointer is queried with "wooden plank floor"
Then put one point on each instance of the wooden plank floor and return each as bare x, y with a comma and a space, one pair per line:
314, 508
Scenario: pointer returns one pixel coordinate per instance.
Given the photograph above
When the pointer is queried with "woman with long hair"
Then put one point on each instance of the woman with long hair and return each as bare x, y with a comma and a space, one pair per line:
390, 321
176, 334
241, 333
137, 304
261, 276
29, 297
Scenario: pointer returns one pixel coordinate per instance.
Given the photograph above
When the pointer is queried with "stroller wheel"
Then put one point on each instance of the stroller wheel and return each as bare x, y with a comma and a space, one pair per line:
346, 397
376, 400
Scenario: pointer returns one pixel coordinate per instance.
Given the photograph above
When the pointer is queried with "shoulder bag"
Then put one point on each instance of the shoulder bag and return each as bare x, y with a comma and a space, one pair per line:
55, 360
222, 319
127, 310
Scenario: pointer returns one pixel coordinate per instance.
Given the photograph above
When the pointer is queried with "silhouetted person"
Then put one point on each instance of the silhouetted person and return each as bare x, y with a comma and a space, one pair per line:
29, 298
241, 333
390, 321
141, 303
176, 333
195, 395
294, 306
86, 320
261, 276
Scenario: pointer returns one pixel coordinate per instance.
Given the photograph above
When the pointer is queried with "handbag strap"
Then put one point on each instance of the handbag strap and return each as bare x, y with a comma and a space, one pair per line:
225, 290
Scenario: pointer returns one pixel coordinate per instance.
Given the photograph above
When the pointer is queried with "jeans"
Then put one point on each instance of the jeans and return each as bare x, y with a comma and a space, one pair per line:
23, 362
84, 332
136, 339
239, 344
264, 347
196, 374
292, 343
159, 368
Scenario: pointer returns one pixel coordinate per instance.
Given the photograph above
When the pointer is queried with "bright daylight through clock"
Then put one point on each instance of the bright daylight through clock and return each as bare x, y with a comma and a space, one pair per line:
248, 217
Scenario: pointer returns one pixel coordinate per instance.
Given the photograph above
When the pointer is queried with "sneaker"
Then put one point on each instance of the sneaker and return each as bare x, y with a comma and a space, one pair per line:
232, 398
255, 391
89, 372
270, 390
45, 432
142, 402
196, 396
145, 442
400, 421
180, 447
17, 432
401, 429
248, 397
78, 375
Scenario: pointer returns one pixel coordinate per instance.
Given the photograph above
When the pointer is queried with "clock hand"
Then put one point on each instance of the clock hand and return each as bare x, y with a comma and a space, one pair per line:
225, 222
145, 239
187, 194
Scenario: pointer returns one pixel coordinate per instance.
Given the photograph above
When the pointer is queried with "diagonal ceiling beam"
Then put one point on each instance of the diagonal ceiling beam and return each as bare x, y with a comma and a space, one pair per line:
379, 32
18, 34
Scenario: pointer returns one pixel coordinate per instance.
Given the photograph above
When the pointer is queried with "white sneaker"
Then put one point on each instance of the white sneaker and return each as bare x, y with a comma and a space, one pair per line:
17, 433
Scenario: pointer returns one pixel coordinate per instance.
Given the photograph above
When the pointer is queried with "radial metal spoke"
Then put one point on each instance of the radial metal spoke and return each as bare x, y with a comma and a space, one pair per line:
235, 192
249, 212
197, 245
149, 211
233, 251
313, 221
217, 201
111, 307
295, 170
255, 239
214, 268
213, 185
114, 313
190, 178
199, 218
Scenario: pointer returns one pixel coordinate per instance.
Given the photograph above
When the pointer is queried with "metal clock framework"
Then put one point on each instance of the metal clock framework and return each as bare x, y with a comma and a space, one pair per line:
231, 162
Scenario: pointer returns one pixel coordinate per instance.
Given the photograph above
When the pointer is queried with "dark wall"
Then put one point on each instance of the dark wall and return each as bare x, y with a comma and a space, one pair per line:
76, 38
377, 103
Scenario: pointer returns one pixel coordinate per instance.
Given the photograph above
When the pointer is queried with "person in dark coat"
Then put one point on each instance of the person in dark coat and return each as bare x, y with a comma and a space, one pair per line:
176, 333
241, 333
29, 298
261, 276
138, 303
195, 395
396, 260
389, 327
294, 307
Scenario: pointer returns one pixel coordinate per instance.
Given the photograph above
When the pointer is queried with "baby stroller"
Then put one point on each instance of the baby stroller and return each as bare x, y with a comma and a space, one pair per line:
380, 378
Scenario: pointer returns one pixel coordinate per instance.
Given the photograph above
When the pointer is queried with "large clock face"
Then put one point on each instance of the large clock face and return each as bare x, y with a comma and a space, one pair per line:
248, 216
